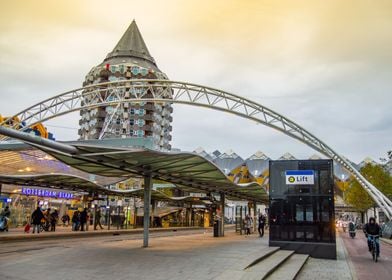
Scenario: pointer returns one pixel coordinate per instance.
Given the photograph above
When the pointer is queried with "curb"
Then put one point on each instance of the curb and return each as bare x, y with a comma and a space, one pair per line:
387, 241
347, 258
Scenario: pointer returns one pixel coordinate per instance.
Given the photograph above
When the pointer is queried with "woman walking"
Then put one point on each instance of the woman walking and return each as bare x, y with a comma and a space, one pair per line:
248, 224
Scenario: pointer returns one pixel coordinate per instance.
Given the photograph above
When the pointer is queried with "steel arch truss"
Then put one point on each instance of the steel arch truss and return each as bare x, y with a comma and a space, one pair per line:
164, 91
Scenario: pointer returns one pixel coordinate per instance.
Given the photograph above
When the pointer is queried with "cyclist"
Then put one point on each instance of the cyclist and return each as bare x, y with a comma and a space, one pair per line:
372, 228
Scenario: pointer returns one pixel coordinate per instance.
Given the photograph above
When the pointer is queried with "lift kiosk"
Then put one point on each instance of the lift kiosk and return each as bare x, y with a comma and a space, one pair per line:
301, 215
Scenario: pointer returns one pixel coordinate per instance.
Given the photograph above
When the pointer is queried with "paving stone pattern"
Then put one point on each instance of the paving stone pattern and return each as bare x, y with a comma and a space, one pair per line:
180, 256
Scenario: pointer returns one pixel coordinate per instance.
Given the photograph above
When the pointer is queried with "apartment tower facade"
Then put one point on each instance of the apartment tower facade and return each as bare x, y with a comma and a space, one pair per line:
143, 124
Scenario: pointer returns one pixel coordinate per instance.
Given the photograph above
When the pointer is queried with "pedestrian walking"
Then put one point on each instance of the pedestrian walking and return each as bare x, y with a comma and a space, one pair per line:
261, 225
76, 220
83, 219
48, 220
97, 221
54, 217
36, 218
248, 224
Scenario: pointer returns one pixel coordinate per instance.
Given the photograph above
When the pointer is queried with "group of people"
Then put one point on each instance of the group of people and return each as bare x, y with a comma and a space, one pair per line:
79, 220
248, 222
46, 220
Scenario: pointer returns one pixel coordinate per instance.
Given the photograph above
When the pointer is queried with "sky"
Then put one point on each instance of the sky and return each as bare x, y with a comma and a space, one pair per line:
327, 65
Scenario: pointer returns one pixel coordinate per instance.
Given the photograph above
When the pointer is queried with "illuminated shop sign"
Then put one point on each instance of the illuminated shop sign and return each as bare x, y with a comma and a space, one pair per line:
47, 193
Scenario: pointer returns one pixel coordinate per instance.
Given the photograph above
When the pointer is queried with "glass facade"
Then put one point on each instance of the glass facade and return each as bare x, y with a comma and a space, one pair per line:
302, 212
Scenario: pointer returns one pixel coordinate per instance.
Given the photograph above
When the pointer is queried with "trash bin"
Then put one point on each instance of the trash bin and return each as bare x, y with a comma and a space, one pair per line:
217, 228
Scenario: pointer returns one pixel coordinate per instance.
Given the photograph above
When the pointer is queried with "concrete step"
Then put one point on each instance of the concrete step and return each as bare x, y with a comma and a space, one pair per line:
290, 268
264, 268
258, 256
238, 271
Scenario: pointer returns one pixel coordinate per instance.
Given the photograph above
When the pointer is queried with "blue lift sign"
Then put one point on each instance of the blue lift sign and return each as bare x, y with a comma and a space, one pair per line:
299, 177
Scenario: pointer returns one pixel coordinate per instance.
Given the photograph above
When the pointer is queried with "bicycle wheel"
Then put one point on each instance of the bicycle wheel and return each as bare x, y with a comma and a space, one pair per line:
374, 253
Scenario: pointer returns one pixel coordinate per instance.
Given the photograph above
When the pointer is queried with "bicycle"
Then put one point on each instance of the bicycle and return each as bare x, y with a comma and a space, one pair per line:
374, 248
44, 226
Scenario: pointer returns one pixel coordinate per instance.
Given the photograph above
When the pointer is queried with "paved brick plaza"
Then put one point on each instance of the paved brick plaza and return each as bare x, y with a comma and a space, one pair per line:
181, 255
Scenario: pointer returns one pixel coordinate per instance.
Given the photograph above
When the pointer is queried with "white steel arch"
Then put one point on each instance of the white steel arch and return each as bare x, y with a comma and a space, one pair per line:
163, 91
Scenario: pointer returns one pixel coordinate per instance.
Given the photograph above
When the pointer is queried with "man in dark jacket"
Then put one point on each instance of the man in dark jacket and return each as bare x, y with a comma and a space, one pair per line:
97, 221
75, 220
36, 218
372, 230
83, 219
54, 217
261, 225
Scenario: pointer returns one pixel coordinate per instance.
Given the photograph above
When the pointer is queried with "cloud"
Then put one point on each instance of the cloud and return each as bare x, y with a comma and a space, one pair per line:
323, 64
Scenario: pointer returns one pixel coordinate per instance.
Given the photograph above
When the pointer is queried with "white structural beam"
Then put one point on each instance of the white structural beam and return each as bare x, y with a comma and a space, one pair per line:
165, 91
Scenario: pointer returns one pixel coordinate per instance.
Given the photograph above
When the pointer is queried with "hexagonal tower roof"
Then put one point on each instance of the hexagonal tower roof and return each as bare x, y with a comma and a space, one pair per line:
131, 48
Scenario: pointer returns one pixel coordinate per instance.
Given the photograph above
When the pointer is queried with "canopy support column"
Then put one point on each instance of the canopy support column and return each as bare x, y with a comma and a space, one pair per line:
147, 202
134, 212
95, 216
153, 207
255, 218
222, 200
190, 215
108, 209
